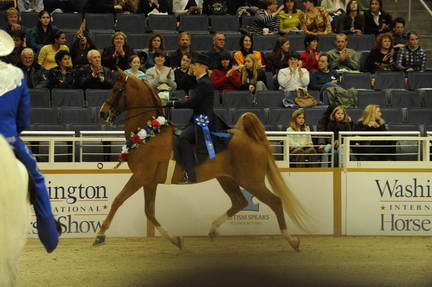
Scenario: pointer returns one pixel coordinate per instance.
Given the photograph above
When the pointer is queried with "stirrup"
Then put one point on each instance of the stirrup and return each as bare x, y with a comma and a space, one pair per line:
187, 179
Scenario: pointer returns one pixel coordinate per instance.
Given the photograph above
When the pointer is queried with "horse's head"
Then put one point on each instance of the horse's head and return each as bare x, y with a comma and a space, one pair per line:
115, 103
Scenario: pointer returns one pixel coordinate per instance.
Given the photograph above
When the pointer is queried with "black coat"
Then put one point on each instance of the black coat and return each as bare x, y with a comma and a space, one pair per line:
112, 62
376, 145
372, 28
58, 80
87, 81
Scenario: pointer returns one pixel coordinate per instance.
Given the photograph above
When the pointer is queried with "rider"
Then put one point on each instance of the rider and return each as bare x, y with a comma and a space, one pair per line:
201, 102
14, 118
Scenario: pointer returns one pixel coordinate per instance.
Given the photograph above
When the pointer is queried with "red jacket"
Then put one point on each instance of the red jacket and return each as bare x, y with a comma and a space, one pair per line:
309, 62
221, 82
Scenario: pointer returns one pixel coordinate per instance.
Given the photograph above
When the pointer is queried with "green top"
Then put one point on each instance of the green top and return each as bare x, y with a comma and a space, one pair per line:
289, 21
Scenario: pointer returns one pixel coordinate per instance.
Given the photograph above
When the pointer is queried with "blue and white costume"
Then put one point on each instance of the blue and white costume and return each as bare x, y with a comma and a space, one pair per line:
14, 118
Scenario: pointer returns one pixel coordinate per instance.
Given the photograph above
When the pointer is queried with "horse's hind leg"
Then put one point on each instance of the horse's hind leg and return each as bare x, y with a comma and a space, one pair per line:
238, 203
275, 203
150, 198
128, 190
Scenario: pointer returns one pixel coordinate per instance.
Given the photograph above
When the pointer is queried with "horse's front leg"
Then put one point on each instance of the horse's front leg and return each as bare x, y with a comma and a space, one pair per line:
128, 190
150, 199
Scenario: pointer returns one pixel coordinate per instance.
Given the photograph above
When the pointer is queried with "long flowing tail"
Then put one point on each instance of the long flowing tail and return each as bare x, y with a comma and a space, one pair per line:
254, 128
14, 212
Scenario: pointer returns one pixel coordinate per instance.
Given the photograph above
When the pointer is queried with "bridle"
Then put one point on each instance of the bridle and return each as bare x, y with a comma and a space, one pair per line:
119, 93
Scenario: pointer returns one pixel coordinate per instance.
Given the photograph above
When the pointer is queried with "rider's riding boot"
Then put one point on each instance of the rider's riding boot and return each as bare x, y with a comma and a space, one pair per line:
188, 159
189, 176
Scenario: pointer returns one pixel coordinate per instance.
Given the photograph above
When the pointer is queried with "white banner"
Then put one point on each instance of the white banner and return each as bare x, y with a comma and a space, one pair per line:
384, 203
82, 201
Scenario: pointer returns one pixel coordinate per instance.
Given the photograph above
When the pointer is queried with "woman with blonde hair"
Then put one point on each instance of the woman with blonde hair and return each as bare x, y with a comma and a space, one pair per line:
118, 54
372, 121
252, 75
301, 146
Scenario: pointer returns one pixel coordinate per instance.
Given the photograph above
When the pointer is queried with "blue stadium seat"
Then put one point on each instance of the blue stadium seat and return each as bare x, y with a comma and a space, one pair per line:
100, 22
67, 97
264, 42
236, 99
170, 40
419, 80
194, 24
161, 23
393, 115
131, 23
313, 115
280, 118
363, 55
44, 116
356, 80
389, 80
247, 20
296, 41
232, 42
261, 114
403, 127
326, 42
371, 97
361, 42
226, 116
201, 42
269, 99
419, 116
75, 115
30, 19
427, 96
40, 97
405, 99
102, 40
96, 97
67, 21
217, 100
138, 41
227, 24
355, 114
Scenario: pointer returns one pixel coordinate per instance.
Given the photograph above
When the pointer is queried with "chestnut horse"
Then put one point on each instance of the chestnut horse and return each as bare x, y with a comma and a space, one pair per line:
245, 162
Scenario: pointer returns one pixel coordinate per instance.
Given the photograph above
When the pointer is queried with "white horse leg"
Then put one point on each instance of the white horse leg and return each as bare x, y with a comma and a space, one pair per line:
293, 241
176, 240
216, 224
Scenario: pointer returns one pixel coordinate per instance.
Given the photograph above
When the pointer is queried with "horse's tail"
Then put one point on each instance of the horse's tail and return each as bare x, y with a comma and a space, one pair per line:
14, 212
254, 128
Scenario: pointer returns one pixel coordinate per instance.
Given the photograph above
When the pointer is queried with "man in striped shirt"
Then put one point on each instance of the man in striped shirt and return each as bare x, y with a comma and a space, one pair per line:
412, 57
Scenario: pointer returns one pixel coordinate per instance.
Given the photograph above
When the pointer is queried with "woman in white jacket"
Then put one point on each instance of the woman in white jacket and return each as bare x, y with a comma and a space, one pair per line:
292, 78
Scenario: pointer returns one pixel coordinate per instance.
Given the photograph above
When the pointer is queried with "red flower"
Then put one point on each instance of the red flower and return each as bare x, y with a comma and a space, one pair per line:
155, 123
136, 139
122, 157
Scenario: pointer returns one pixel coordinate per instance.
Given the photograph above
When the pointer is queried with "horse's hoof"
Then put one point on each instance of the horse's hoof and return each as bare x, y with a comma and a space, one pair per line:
295, 244
179, 242
212, 235
100, 240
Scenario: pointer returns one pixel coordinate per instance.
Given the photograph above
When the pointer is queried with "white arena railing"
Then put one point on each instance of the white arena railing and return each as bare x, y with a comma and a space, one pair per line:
99, 149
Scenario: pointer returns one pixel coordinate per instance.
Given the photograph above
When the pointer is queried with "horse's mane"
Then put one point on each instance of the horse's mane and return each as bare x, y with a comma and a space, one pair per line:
156, 101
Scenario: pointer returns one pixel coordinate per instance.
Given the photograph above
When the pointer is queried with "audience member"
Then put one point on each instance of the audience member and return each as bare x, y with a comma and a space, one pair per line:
315, 20
215, 7
372, 121
14, 58
94, 75
184, 43
334, 7
63, 76
399, 35
412, 57
214, 53
42, 33
226, 76
289, 17
134, 68
244, 7
383, 57
156, 42
35, 6
246, 48
353, 21
339, 121
266, 21
253, 76
278, 58
161, 77
118, 54
160, 6
46, 56
376, 20
324, 77
34, 74
309, 57
301, 146
13, 21
81, 45
293, 77
103, 6
183, 75
342, 58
